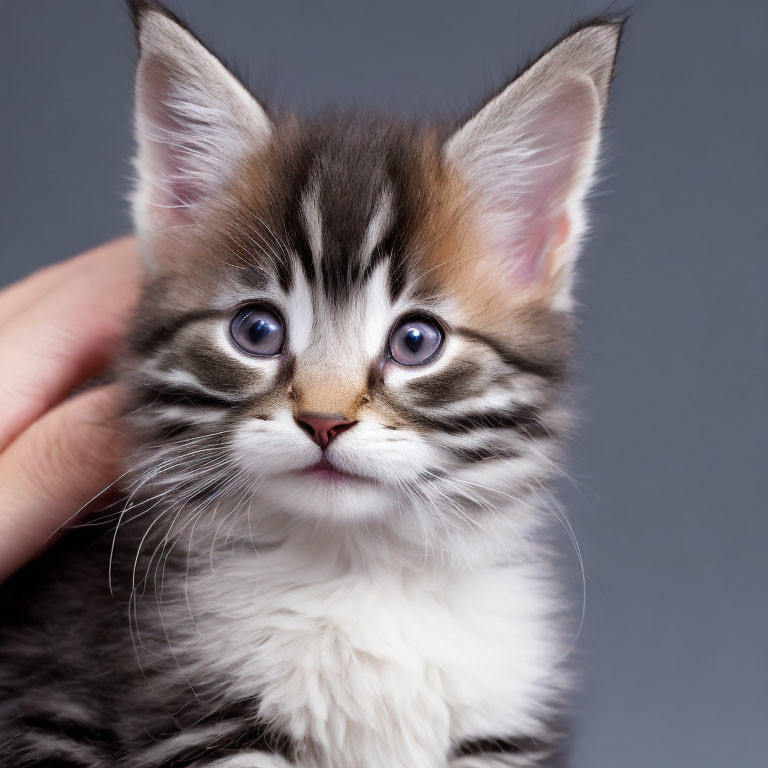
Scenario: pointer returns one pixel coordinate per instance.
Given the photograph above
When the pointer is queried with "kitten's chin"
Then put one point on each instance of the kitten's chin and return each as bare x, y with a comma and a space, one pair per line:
332, 496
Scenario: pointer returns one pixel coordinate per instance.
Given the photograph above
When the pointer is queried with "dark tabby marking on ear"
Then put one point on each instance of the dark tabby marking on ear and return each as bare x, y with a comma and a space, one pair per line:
341, 593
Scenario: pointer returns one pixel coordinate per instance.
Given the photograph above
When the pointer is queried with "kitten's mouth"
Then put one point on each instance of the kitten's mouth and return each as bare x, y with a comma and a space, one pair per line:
326, 472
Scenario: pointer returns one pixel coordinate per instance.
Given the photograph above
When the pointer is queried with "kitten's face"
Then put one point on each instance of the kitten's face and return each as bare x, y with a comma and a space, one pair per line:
332, 300
349, 321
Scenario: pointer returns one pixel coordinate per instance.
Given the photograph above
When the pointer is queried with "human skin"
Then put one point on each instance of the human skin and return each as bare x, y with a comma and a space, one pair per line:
60, 448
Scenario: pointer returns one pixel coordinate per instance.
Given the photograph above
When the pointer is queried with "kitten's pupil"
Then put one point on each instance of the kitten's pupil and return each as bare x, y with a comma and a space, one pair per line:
414, 339
260, 330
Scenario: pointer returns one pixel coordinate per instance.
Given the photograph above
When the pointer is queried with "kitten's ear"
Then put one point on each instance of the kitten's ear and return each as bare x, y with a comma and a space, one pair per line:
528, 157
195, 121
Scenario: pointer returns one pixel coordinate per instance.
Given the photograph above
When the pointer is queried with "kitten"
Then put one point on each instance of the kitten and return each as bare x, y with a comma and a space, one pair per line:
344, 382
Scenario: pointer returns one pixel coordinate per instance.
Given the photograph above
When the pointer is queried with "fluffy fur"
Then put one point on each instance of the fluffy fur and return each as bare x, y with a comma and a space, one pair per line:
236, 610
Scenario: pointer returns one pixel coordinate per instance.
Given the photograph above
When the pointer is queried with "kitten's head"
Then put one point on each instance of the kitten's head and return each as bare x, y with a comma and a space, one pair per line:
354, 320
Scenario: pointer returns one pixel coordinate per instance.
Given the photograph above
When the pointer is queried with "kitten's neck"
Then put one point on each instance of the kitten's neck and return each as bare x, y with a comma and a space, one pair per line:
363, 546
469, 541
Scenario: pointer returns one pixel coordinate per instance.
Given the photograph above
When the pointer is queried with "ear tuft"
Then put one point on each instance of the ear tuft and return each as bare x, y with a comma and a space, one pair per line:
137, 9
140, 9
195, 121
594, 45
528, 158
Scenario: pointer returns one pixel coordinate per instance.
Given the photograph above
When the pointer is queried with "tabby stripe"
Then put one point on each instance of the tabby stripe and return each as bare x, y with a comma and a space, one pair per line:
298, 239
42, 746
245, 760
171, 747
51, 762
553, 370
385, 250
79, 732
165, 333
174, 430
231, 744
243, 732
517, 746
209, 490
178, 395
475, 455
526, 420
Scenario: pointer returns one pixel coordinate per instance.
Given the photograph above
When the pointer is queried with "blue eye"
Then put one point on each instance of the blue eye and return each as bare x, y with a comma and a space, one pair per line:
258, 331
415, 341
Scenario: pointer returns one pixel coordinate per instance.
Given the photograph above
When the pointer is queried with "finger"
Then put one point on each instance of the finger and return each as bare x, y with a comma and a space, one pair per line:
19, 296
64, 337
53, 470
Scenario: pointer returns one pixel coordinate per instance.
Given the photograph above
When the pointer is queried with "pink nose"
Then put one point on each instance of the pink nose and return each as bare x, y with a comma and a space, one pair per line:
323, 427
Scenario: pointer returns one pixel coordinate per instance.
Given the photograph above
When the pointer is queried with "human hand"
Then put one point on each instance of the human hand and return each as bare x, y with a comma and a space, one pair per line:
59, 328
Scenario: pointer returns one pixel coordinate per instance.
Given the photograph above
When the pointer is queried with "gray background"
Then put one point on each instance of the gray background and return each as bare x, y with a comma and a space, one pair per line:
668, 499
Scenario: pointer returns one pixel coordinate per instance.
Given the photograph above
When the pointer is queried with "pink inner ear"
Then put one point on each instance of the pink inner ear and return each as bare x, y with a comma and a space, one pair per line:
529, 203
530, 259
530, 253
175, 187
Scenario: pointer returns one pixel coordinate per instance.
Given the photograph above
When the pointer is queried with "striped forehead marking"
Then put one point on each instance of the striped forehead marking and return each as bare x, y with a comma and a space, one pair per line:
313, 222
348, 257
378, 225
345, 197
367, 307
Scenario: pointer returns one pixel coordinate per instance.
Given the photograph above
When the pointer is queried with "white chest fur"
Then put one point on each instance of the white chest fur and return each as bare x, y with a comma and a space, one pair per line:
382, 667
